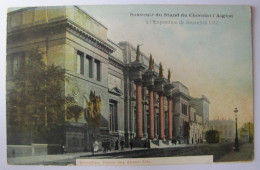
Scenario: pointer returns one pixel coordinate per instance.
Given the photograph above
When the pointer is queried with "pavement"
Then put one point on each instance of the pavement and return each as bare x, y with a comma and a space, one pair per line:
245, 153
67, 157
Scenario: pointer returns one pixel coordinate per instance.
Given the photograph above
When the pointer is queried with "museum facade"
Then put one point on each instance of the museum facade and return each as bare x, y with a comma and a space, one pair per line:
137, 103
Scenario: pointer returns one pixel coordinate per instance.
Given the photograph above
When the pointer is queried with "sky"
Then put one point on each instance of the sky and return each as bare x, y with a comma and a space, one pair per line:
212, 56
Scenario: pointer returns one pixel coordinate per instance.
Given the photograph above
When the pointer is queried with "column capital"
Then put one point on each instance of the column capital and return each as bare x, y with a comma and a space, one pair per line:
169, 97
138, 82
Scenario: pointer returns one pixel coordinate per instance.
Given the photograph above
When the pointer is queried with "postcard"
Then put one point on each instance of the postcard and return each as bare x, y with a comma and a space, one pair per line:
127, 85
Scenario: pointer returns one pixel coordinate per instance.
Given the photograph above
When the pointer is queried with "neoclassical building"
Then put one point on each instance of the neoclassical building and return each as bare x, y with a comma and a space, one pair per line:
137, 101
226, 129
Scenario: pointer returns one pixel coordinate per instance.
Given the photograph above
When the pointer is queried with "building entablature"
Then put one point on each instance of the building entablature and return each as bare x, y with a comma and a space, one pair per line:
159, 85
116, 62
169, 89
181, 94
203, 97
180, 87
51, 19
149, 77
136, 71
59, 25
89, 37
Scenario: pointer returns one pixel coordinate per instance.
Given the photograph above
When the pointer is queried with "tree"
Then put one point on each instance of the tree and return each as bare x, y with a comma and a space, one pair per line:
36, 100
73, 109
212, 136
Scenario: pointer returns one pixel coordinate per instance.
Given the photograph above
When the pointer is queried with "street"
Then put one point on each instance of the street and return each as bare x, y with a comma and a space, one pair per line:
220, 152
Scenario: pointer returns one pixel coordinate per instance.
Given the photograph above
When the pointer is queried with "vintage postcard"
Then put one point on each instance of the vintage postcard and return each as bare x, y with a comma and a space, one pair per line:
129, 85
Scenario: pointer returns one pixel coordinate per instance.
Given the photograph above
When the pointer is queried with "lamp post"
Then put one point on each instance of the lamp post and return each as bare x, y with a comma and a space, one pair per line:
249, 140
236, 138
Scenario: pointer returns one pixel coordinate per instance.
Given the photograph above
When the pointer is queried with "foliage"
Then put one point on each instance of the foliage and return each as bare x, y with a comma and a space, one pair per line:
35, 100
73, 109
212, 136
93, 110
27, 94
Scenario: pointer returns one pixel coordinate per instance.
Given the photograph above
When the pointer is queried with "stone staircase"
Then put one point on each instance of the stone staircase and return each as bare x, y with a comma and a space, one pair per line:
160, 144
156, 143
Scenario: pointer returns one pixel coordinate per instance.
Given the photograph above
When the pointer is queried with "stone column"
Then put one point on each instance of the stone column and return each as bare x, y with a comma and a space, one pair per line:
139, 107
170, 117
161, 114
151, 110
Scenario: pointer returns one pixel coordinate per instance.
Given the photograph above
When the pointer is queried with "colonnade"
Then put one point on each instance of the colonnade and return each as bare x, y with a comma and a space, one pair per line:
154, 82
139, 114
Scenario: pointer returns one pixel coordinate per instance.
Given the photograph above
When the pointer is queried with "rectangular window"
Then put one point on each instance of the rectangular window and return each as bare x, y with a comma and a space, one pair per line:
113, 116
80, 63
18, 61
15, 64
184, 109
89, 66
97, 70
111, 108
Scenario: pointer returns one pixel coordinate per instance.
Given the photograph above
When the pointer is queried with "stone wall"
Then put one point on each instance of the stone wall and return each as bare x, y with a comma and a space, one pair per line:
30, 150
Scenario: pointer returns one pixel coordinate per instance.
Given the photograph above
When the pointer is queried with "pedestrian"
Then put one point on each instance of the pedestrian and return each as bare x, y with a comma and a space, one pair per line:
62, 148
95, 146
108, 145
122, 143
131, 144
148, 144
104, 146
116, 145
192, 140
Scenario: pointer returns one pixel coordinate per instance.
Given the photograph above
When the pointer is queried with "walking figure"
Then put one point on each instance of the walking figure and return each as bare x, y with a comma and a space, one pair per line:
108, 145
122, 143
95, 147
116, 145
104, 146
131, 144
62, 148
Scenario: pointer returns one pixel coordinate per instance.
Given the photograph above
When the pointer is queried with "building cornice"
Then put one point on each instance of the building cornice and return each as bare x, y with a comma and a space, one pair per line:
90, 38
115, 62
64, 24
182, 95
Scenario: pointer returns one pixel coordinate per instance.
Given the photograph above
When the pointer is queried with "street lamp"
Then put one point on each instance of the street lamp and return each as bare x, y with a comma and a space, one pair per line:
236, 138
249, 140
